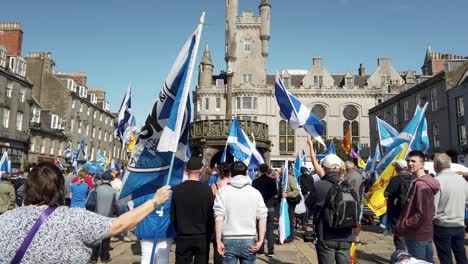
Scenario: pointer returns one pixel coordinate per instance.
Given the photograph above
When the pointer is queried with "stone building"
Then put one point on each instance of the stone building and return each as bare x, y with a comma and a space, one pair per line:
247, 90
445, 112
73, 109
15, 96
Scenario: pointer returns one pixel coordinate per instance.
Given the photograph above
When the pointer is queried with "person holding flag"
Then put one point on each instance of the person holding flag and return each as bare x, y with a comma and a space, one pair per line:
333, 244
291, 193
7, 193
237, 208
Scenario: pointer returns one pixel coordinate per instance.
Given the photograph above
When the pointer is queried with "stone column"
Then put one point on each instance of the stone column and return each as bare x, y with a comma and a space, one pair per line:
229, 95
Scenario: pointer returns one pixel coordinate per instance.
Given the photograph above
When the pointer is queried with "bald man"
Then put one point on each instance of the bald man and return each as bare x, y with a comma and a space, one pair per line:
449, 231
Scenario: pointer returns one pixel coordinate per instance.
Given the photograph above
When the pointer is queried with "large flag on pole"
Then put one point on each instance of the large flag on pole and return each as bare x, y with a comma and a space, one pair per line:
296, 113
375, 198
242, 148
284, 228
372, 162
67, 151
413, 132
124, 114
166, 129
387, 133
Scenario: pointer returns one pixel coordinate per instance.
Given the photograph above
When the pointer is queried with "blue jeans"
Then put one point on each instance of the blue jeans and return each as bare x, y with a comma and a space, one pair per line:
421, 249
331, 251
447, 239
238, 249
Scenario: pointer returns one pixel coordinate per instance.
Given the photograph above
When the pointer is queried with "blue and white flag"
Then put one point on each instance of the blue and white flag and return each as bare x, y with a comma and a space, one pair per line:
372, 161
296, 113
59, 164
411, 133
297, 167
303, 155
82, 147
131, 127
4, 163
149, 163
386, 132
330, 150
124, 114
284, 228
67, 151
242, 148
115, 165
421, 141
100, 159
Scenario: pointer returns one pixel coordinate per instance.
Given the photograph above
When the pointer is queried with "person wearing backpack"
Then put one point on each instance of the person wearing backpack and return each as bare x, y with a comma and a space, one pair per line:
396, 193
334, 235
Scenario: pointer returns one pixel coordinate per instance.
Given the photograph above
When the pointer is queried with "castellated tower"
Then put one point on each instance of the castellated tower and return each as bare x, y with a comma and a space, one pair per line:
205, 74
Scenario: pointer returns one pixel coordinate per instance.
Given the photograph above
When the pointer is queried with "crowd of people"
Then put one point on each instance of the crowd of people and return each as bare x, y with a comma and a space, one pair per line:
234, 210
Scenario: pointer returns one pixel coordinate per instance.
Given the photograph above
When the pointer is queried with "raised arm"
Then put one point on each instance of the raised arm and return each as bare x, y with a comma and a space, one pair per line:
318, 169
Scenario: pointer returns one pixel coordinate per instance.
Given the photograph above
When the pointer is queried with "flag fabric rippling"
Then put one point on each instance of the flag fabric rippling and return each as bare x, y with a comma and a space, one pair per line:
387, 133
125, 113
4, 163
284, 228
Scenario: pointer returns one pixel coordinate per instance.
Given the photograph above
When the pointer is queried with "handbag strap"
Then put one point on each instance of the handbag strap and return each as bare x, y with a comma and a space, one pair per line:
27, 241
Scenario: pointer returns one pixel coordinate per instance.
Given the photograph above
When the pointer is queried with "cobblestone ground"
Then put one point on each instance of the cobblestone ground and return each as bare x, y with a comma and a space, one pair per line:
376, 248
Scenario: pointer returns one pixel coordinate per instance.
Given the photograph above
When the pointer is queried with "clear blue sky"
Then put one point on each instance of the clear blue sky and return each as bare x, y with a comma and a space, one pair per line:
118, 41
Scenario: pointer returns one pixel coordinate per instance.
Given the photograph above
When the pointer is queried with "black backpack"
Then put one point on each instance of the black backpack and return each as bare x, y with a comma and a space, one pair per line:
405, 184
341, 208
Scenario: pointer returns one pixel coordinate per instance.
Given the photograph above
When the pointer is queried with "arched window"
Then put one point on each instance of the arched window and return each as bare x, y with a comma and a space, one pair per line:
320, 112
355, 131
345, 127
286, 137
351, 113
324, 133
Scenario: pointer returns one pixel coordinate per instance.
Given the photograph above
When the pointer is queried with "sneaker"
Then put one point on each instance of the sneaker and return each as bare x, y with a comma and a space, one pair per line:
107, 260
271, 254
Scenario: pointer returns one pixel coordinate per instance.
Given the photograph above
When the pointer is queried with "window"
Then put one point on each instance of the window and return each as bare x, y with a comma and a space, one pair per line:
94, 132
36, 115
110, 137
406, 110
384, 80
89, 111
99, 134
81, 108
247, 103
43, 143
395, 114
3, 57
82, 91
238, 103
73, 104
318, 81
9, 89
324, 132
60, 150
22, 94
6, 117
207, 104
355, 131
419, 100
100, 117
105, 136
247, 78
19, 121
87, 130
218, 103
92, 153
434, 99
247, 45
80, 124
107, 120
286, 137
349, 82
52, 147
286, 82
72, 124
460, 104
461, 135
220, 82
32, 146
198, 104
435, 135
94, 114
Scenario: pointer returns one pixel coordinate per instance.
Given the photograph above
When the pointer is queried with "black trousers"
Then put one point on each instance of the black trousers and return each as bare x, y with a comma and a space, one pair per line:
194, 248
102, 248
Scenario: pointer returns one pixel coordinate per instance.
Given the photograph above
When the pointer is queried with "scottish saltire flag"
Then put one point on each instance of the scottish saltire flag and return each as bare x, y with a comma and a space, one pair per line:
297, 167
330, 150
374, 160
149, 163
284, 226
124, 114
75, 166
75, 155
411, 133
386, 132
100, 159
241, 148
4, 163
59, 165
115, 165
421, 141
67, 151
297, 114
303, 157
131, 128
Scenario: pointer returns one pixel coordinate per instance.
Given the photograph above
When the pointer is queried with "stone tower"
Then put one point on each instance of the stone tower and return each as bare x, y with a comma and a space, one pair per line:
205, 72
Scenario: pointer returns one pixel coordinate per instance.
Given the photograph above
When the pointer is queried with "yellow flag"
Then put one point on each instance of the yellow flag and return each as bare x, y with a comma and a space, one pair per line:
352, 254
108, 160
375, 199
346, 144
361, 163
131, 145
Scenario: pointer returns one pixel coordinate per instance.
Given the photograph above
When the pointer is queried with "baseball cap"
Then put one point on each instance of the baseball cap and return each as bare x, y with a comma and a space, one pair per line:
332, 160
107, 176
194, 163
397, 255
401, 164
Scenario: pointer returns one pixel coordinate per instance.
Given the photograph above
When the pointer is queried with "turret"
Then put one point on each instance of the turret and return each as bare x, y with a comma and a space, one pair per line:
232, 8
265, 9
205, 73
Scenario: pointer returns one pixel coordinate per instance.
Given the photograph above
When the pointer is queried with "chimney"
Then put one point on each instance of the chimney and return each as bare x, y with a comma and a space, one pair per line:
383, 62
11, 36
362, 70
317, 61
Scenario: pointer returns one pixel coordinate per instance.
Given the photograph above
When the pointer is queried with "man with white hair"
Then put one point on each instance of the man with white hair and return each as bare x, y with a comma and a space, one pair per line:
449, 233
333, 243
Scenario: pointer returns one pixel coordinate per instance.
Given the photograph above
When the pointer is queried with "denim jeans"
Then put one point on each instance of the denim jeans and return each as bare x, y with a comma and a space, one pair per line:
269, 235
447, 239
331, 251
421, 249
238, 250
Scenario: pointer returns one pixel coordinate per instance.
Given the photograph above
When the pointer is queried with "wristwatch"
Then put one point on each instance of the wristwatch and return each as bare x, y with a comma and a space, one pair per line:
155, 202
